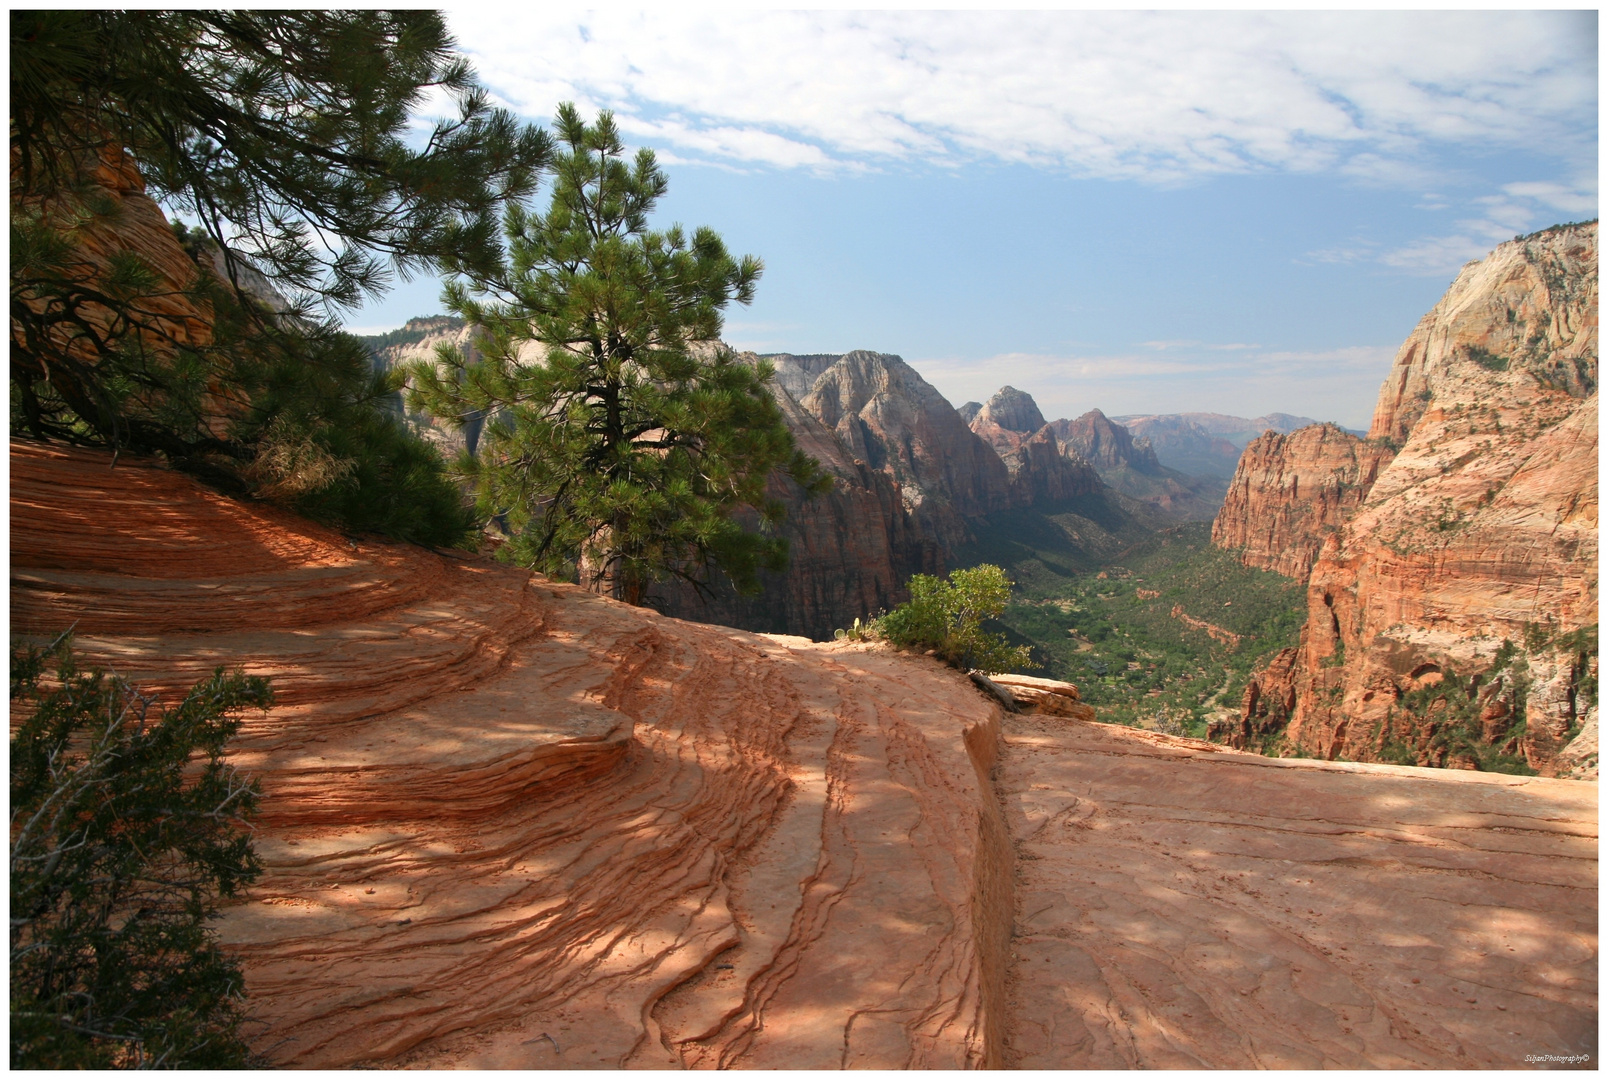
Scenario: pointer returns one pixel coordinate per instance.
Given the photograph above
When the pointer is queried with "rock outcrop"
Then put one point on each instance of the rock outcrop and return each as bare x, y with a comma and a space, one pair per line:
510, 824
1451, 620
1182, 906
888, 416
1104, 444
1292, 491
1042, 471
1009, 417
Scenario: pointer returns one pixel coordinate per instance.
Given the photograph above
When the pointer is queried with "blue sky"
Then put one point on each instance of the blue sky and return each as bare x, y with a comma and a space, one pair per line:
1140, 212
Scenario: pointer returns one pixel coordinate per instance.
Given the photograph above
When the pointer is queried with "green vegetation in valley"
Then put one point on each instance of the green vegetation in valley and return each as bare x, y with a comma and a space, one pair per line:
1160, 632
127, 828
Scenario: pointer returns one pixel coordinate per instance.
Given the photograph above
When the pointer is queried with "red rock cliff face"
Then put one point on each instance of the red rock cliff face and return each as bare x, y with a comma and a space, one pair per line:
889, 417
1042, 468
1291, 491
849, 551
1481, 530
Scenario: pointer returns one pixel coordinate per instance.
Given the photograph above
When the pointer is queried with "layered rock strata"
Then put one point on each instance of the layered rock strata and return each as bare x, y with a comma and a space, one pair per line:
1181, 906
888, 416
1291, 491
510, 824
1451, 620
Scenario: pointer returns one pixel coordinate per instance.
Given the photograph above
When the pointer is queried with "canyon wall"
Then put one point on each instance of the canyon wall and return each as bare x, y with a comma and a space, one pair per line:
1130, 466
1452, 617
1291, 491
1043, 470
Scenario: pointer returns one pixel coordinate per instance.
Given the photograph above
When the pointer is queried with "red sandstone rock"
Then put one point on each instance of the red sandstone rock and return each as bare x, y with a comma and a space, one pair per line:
510, 824
1184, 906
1481, 528
507, 823
1291, 491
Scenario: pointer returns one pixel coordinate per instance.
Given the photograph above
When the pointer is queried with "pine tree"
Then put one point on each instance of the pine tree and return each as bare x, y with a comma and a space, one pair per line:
281, 132
126, 829
285, 135
625, 440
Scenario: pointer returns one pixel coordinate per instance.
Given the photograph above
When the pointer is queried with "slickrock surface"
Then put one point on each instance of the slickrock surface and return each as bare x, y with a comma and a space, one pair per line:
1291, 491
510, 824
1481, 529
1184, 906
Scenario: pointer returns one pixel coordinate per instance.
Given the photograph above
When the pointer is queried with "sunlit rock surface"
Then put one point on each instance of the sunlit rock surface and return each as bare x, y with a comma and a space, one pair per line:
1481, 529
510, 824
1183, 906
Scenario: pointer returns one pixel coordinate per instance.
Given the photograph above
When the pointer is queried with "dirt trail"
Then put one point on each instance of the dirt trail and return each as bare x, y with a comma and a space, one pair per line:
1182, 906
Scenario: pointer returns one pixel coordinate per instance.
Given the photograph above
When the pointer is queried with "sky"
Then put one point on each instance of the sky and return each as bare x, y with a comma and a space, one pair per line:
1239, 212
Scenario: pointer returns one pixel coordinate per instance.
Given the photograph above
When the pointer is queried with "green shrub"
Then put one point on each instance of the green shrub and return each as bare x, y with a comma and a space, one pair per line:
948, 616
125, 831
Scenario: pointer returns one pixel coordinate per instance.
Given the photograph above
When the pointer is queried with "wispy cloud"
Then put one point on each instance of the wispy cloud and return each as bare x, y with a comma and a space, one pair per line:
1517, 208
1155, 96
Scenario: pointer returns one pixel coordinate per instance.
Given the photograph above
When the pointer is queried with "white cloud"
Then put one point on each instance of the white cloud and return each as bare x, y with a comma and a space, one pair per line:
1158, 96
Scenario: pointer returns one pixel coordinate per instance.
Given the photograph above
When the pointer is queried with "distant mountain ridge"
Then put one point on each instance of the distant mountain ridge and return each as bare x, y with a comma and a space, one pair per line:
1205, 443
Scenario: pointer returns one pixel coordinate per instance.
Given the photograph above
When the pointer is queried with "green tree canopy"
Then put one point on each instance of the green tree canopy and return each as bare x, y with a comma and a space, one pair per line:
624, 442
284, 133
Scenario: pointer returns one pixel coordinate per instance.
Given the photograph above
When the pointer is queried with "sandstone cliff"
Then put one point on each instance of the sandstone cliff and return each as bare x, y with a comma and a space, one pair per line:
1042, 470
1480, 531
1007, 419
128, 229
888, 416
1291, 491
849, 551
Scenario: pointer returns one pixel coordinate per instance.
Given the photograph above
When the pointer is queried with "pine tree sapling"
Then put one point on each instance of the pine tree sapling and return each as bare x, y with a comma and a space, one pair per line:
621, 446
125, 832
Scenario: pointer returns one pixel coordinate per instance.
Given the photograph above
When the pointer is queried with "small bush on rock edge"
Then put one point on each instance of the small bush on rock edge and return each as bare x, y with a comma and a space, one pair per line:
948, 616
